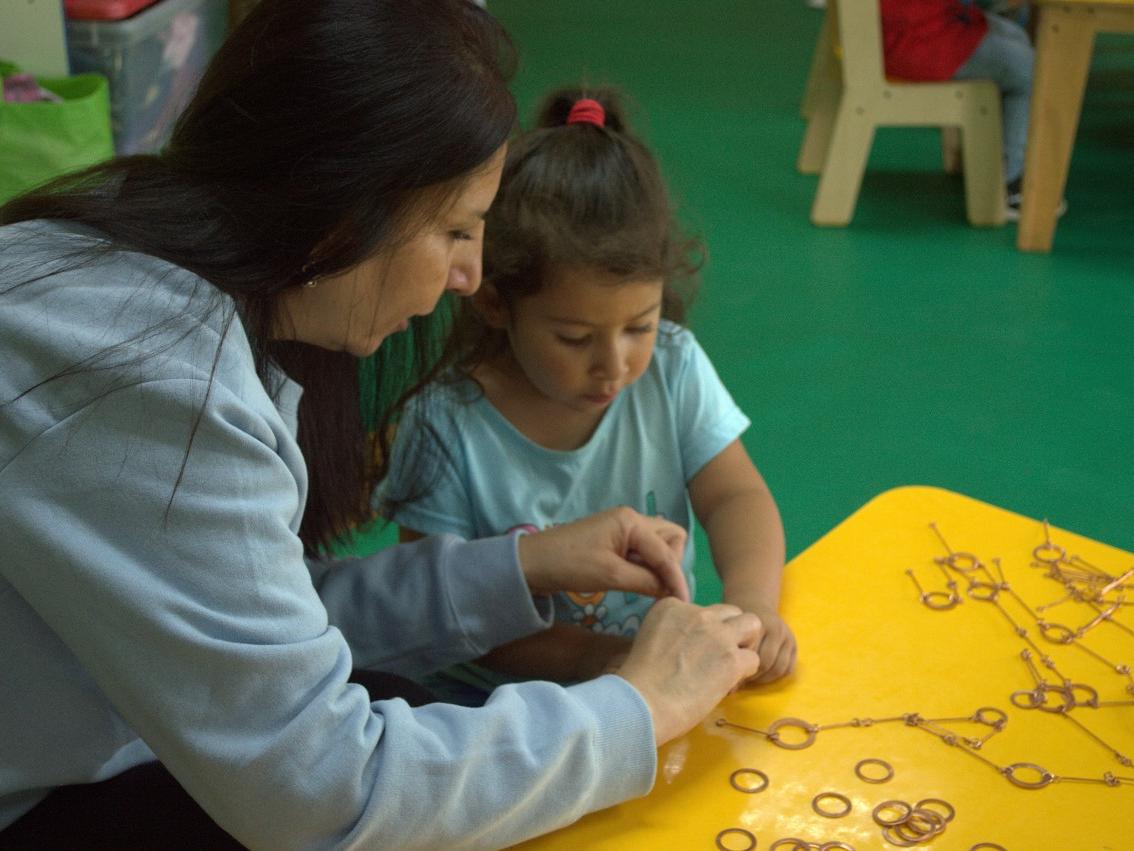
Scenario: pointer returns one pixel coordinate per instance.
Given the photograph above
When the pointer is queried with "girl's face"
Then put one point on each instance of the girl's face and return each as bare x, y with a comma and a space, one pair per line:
354, 311
585, 337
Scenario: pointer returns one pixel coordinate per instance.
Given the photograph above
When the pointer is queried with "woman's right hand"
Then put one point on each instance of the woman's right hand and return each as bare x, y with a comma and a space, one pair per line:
686, 658
614, 550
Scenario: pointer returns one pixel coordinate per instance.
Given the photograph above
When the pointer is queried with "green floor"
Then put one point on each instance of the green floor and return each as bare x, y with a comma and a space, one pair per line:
907, 348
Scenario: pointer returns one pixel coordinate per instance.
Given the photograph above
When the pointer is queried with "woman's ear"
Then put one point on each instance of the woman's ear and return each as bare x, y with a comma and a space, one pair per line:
491, 307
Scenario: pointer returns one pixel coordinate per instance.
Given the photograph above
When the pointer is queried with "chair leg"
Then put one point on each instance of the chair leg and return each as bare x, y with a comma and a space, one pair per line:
821, 61
845, 163
982, 150
817, 136
951, 150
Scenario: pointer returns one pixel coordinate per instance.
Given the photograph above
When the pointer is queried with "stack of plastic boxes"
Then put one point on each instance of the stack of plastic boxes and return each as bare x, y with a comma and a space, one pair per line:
153, 52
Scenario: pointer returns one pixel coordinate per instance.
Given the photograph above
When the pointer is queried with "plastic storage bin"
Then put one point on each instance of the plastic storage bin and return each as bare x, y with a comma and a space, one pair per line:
153, 61
103, 10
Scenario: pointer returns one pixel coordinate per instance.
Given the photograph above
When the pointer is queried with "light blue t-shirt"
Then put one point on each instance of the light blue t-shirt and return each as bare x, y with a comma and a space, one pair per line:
655, 437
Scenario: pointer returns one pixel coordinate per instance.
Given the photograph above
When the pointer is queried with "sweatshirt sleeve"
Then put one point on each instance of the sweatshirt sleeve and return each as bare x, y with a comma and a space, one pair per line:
193, 613
432, 597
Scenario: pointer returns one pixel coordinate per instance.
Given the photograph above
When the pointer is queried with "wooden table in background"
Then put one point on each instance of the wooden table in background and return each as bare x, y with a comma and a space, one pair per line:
869, 649
1065, 38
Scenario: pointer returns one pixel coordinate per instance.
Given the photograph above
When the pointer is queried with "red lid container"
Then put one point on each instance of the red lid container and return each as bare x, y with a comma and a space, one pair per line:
103, 10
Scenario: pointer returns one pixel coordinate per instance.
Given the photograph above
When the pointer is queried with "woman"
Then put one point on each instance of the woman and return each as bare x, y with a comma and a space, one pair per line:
180, 440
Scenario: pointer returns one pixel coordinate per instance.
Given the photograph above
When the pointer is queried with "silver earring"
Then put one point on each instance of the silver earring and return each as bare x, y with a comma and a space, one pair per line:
311, 284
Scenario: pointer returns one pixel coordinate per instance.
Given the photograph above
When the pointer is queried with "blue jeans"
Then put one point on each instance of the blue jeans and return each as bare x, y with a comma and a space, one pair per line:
1005, 56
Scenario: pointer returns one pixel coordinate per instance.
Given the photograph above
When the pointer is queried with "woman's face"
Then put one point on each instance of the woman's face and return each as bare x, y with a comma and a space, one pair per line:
355, 310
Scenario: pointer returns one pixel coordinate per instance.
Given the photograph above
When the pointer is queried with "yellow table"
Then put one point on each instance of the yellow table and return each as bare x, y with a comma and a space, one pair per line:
1065, 37
869, 649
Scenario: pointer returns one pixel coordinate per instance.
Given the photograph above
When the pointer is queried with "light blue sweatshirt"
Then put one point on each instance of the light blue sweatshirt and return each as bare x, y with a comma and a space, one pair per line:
193, 631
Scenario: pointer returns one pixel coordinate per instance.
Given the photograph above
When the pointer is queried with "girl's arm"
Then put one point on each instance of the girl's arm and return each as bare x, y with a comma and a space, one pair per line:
746, 536
563, 652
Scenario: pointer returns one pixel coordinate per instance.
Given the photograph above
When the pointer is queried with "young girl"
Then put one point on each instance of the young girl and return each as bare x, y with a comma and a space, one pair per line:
573, 391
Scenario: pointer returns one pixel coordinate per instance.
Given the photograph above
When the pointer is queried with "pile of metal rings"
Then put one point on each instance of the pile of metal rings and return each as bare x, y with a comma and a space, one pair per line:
908, 825
790, 843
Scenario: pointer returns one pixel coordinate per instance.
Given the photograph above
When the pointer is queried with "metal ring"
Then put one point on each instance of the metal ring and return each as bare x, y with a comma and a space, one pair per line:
748, 790
1044, 689
911, 834
1092, 701
822, 796
1034, 699
831, 846
988, 591
799, 723
981, 717
974, 563
739, 831
888, 835
992, 846
1046, 777
796, 844
1062, 634
1049, 548
923, 823
901, 806
889, 769
947, 815
928, 598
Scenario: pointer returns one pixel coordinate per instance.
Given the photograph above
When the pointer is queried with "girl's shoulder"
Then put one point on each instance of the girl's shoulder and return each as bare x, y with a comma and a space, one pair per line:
675, 345
671, 335
679, 360
448, 403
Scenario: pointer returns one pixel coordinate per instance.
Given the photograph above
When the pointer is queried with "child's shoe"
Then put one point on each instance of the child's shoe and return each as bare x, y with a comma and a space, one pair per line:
1013, 198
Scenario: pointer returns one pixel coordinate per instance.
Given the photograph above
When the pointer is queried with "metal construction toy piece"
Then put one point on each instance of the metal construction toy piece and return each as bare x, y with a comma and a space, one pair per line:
900, 811
906, 825
888, 770
818, 804
940, 601
1084, 583
734, 779
945, 805
988, 716
745, 835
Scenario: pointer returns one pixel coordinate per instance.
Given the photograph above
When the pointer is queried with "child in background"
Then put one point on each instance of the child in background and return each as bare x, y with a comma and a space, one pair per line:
573, 390
955, 40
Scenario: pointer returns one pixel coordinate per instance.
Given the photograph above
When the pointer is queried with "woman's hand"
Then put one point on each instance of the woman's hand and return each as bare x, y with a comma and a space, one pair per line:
686, 658
618, 549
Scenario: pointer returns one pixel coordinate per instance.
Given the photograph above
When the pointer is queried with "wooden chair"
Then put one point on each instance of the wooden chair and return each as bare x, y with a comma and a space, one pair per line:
848, 96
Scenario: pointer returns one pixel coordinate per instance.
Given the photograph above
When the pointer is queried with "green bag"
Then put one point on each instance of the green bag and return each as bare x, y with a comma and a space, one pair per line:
42, 140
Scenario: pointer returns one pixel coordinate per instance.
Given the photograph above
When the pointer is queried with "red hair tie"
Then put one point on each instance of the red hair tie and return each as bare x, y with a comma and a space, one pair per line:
587, 111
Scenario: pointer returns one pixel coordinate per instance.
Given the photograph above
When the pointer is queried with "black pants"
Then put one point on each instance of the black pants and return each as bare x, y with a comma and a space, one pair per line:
145, 807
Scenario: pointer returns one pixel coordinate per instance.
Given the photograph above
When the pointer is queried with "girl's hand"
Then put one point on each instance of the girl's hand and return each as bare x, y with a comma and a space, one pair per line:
686, 658
777, 646
618, 549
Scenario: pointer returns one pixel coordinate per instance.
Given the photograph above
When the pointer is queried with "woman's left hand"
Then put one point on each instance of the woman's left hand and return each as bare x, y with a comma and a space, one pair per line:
615, 550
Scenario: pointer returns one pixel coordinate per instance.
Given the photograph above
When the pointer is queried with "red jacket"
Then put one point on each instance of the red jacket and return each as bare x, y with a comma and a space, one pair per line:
929, 39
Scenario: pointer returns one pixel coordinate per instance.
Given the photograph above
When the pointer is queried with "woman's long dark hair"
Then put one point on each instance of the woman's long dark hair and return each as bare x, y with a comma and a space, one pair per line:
317, 135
